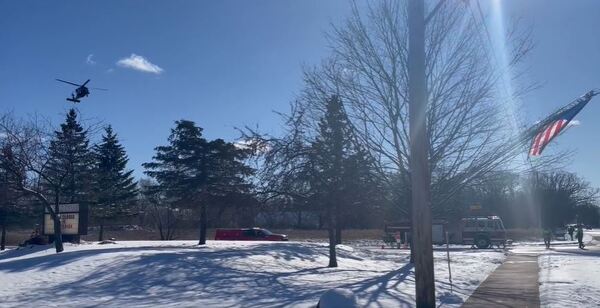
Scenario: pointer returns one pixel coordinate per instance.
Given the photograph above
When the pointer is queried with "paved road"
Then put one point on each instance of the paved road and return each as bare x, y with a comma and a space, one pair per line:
512, 284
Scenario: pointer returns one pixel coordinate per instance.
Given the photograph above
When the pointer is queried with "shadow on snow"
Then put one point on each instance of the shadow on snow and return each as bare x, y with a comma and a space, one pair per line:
163, 276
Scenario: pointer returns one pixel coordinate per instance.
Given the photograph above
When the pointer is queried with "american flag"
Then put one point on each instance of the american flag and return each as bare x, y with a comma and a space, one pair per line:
557, 123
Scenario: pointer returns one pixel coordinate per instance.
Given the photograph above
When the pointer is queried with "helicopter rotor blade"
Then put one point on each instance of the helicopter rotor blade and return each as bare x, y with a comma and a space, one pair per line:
101, 89
83, 85
69, 82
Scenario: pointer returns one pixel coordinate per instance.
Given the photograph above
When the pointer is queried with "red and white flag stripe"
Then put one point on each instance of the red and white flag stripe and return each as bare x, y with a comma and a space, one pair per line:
544, 137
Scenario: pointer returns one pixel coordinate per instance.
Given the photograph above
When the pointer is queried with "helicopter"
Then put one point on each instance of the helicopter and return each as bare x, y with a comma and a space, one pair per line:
80, 92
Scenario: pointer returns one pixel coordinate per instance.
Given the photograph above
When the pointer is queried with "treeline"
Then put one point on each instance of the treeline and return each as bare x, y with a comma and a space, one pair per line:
41, 170
320, 181
537, 199
333, 171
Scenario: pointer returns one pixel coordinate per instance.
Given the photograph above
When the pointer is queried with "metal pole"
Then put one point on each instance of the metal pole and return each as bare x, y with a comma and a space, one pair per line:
419, 159
448, 257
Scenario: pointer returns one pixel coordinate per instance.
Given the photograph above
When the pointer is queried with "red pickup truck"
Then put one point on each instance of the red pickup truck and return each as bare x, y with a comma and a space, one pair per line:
248, 234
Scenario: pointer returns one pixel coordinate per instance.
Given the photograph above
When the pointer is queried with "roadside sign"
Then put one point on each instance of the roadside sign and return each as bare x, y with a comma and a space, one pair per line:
73, 220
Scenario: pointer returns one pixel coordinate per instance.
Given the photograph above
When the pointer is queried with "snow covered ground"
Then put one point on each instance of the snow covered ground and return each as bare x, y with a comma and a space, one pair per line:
569, 276
226, 274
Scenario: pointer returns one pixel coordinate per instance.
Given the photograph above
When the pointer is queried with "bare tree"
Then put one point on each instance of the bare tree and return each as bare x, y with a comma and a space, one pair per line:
25, 156
154, 203
559, 196
470, 134
283, 163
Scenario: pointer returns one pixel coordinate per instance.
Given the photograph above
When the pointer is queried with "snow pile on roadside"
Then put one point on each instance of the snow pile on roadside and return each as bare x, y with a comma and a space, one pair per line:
232, 274
570, 277
336, 298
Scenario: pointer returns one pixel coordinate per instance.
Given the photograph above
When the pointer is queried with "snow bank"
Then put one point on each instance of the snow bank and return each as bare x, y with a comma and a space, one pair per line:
336, 298
227, 274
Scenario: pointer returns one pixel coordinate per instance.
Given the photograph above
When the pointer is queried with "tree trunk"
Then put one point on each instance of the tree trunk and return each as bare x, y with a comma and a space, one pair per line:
160, 231
338, 225
412, 251
171, 231
409, 239
219, 218
203, 220
168, 224
58, 241
101, 234
159, 221
332, 256
320, 227
3, 237
299, 220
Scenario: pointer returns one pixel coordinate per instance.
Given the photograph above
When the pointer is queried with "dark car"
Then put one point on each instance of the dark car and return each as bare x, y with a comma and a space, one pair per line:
248, 234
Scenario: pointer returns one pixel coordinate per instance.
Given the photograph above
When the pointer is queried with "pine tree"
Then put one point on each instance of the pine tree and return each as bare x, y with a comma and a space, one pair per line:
8, 197
342, 177
70, 163
362, 190
191, 170
176, 167
115, 188
68, 177
330, 150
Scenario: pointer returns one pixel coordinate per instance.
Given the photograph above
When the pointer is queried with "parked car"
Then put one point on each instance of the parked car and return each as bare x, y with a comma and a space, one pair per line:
484, 232
248, 234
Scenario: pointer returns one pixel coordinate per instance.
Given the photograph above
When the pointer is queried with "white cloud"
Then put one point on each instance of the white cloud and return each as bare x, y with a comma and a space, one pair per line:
139, 63
89, 60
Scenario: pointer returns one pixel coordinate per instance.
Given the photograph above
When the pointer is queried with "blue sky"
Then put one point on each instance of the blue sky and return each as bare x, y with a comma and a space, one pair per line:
227, 64
566, 62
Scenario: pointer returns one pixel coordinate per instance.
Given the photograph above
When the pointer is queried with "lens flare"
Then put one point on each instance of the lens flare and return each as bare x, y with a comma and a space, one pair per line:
501, 53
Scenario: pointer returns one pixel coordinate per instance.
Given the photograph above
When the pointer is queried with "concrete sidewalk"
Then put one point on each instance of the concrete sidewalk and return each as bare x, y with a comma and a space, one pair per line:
512, 284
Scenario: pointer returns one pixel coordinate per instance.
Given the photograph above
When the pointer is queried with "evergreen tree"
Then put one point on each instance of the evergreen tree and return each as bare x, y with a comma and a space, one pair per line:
226, 177
115, 188
330, 151
68, 176
71, 162
8, 196
193, 171
363, 192
342, 179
